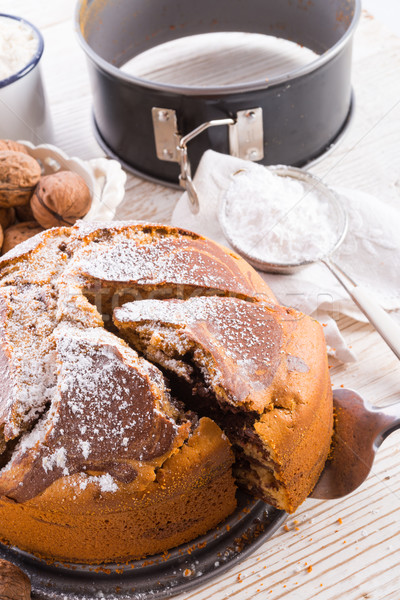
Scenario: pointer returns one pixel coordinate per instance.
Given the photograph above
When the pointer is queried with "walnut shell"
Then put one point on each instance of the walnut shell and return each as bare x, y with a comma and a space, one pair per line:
7, 217
60, 199
19, 174
24, 213
14, 583
19, 233
11, 145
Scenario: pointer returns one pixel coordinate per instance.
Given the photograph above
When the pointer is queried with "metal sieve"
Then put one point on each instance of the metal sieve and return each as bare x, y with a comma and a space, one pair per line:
376, 315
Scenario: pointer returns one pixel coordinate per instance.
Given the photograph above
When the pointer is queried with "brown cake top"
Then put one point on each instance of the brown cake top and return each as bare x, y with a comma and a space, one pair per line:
161, 256
111, 415
241, 342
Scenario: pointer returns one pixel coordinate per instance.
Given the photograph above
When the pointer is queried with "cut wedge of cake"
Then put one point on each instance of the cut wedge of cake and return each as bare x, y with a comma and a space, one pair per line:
252, 367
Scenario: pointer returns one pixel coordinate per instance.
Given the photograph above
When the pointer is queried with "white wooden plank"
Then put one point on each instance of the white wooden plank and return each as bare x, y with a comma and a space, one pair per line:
369, 160
42, 13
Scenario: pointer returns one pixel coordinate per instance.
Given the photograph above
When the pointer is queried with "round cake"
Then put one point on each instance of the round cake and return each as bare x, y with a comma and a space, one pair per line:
146, 372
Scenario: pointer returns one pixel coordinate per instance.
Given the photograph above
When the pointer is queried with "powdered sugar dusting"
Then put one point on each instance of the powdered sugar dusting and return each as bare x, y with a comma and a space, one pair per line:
233, 322
58, 458
107, 391
231, 340
32, 362
105, 482
85, 446
163, 260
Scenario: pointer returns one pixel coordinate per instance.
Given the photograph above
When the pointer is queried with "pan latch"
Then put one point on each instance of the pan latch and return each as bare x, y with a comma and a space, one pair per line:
246, 140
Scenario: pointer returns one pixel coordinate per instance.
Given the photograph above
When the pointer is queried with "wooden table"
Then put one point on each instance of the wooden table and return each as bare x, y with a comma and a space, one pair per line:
344, 549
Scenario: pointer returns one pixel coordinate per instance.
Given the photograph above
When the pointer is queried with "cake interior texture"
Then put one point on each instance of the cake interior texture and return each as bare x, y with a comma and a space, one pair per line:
146, 373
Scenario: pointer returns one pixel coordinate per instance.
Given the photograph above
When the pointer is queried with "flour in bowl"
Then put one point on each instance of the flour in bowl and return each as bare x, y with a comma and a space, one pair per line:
278, 219
18, 45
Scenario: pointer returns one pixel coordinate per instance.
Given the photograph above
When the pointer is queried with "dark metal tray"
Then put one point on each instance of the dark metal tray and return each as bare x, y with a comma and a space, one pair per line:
158, 576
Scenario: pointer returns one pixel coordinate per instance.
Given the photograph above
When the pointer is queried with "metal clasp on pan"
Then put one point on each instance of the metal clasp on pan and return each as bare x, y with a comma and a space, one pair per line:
246, 140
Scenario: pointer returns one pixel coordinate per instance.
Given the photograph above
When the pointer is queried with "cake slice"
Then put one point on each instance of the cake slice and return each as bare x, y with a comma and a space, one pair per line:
27, 320
110, 413
38, 260
258, 370
124, 262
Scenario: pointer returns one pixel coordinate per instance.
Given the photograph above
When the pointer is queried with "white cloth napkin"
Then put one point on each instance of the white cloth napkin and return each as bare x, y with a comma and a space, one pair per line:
370, 253
109, 188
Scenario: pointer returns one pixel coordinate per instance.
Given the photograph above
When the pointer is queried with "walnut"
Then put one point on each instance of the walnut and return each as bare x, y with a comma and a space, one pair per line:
24, 213
7, 217
19, 233
11, 145
60, 199
14, 583
19, 174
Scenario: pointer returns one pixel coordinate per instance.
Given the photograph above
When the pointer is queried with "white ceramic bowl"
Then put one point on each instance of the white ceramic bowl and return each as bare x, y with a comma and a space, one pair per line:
23, 109
104, 178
